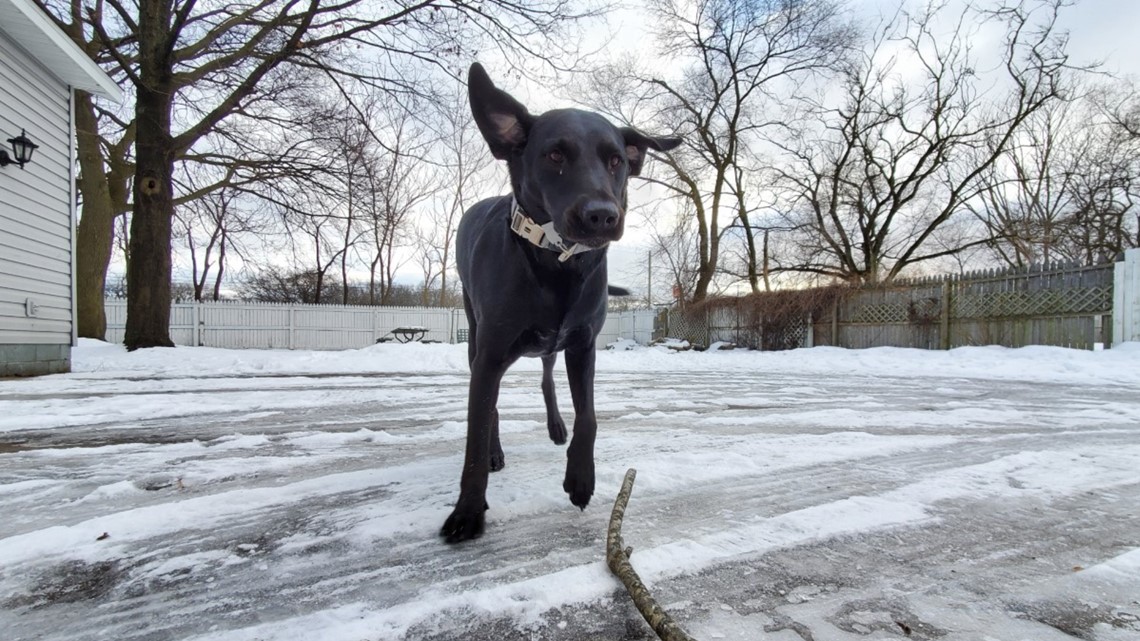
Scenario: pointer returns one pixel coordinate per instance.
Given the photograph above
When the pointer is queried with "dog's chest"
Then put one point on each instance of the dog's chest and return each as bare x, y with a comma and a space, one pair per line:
559, 315
542, 341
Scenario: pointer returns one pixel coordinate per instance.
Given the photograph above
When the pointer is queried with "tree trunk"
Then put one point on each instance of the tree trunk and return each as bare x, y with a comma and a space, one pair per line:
95, 235
443, 280
221, 268
344, 262
148, 273
705, 264
710, 246
750, 245
767, 264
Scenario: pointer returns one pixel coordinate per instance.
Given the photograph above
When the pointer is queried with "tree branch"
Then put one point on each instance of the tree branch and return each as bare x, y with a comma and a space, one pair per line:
617, 558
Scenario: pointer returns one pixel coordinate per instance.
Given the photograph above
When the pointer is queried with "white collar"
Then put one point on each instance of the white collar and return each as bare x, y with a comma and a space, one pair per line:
544, 235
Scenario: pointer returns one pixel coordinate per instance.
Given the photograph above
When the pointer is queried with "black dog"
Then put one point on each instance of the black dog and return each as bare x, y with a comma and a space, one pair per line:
533, 268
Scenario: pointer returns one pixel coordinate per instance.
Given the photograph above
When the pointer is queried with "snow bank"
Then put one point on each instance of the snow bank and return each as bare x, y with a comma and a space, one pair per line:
95, 359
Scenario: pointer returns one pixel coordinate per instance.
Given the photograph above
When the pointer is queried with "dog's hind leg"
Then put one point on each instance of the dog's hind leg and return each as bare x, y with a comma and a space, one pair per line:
554, 424
579, 482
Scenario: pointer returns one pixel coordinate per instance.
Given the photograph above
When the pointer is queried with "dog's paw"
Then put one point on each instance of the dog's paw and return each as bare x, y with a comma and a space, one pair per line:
579, 484
463, 524
498, 460
557, 431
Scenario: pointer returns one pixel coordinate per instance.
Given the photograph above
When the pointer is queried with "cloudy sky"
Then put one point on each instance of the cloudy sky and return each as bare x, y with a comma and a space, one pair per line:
1103, 31
1100, 30
1106, 30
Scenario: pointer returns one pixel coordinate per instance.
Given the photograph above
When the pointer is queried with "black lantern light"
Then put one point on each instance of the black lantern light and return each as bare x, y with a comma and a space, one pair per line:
22, 148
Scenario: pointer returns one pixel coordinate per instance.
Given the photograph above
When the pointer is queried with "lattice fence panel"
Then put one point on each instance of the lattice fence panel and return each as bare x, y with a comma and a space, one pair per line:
1014, 304
881, 313
691, 327
790, 335
747, 328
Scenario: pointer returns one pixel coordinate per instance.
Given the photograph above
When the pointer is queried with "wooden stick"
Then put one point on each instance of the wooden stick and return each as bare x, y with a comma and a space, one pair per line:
617, 557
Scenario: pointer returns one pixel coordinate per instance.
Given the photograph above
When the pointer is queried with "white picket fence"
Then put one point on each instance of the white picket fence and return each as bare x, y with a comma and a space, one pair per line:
287, 326
1126, 299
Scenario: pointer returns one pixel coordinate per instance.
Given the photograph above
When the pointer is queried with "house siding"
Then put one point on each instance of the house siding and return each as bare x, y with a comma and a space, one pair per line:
36, 225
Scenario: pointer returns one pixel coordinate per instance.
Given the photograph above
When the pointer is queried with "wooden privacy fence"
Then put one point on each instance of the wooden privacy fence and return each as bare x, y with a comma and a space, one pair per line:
293, 326
1063, 305
1056, 305
1060, 304
736, 325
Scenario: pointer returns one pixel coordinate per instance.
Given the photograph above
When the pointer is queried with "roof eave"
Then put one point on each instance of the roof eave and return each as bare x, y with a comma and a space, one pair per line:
86, 75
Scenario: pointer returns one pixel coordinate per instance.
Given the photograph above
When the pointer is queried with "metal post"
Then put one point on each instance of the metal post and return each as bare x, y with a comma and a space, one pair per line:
944, 324
292, 325
196, 332
649, 285
835, 323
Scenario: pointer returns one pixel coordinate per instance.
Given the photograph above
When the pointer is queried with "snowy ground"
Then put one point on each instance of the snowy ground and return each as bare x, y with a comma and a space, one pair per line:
979, 494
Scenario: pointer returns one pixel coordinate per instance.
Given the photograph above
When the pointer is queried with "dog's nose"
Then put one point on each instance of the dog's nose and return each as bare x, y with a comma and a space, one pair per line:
601, 217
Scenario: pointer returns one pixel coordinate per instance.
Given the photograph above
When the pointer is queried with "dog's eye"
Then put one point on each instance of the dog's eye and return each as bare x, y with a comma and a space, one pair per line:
556, 157
615, 161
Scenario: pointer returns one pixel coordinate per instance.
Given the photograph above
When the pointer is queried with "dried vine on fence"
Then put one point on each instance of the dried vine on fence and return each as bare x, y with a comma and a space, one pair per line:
774, 320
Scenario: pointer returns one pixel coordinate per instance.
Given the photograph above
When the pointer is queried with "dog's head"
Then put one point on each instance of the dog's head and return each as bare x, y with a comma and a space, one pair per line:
567, 166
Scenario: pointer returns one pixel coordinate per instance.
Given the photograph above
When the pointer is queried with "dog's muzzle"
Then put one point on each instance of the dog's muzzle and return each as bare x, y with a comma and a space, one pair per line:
600, 218
544, 235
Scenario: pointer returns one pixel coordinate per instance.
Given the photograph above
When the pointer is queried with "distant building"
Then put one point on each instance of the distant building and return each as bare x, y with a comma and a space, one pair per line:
40, 67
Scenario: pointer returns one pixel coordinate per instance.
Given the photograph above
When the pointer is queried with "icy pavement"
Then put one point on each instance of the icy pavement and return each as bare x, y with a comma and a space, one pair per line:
980, 494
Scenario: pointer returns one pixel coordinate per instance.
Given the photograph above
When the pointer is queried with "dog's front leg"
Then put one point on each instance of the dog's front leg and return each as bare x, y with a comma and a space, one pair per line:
579, 482
466, 520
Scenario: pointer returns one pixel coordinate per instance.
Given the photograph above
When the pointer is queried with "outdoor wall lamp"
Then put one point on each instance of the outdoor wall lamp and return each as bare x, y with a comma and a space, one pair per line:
22, 148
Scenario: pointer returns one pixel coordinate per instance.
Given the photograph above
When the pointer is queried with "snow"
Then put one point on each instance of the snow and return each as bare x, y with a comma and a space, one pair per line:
198, 493
97, 360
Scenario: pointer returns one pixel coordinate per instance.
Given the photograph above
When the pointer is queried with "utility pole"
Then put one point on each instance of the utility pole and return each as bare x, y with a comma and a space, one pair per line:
649, 285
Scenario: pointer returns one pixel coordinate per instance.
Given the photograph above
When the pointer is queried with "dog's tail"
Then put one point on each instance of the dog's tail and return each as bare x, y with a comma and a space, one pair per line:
618, 291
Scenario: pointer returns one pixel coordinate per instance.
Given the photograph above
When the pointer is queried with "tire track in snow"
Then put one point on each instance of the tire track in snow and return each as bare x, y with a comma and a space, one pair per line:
325, 550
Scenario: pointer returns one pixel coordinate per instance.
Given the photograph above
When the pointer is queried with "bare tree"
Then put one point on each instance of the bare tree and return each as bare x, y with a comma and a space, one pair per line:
348, 185
1122, 107
674, 251
1105, 218
464, 160
312, 227
1024, 196
214, 228
273, 284
104, 151
869, 189
192, 67
398, 184
1065, 188
204, 227
736, 57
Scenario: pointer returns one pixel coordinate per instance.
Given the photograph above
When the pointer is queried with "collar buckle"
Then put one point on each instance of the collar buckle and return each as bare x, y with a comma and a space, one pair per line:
544, 235
527, 228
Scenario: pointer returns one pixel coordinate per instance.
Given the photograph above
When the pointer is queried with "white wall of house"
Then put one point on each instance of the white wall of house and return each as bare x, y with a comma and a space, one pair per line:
40, 67
1126, 299
36, 232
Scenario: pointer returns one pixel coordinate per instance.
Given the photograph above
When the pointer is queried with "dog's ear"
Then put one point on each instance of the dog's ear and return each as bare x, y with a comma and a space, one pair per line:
637, 143
503, 121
